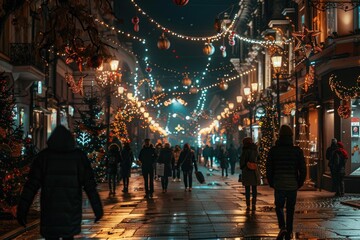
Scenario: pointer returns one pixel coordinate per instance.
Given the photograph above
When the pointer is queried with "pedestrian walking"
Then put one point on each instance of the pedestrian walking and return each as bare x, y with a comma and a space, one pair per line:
329, 153
206, 154
286, 172
250, 171
211, 156
158, 147
223, 159
61, 171
176, 166
147, 158
112, 163
233, 158
337, 163
187, 162
166, 157
126, 163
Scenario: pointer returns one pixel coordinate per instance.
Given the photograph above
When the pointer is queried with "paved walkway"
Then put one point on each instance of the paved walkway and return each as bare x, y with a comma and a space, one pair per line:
214, 210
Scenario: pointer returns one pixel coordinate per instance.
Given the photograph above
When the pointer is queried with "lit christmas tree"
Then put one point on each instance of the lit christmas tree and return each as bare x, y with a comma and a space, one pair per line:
268, 126
91, 136
15, 151
119, 128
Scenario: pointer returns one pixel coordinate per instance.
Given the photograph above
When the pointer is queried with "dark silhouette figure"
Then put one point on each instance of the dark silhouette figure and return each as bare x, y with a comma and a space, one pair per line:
112, 163
176, 166
233, 157
147, 157
187, 162
127, 160
166, 157
61, 171
206, 154
329, 154
337, 163
223, 159
286, 172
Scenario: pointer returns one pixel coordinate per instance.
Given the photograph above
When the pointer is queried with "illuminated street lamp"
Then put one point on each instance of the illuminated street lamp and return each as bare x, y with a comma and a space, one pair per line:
251, 94
231, 105
276, 61
239, 99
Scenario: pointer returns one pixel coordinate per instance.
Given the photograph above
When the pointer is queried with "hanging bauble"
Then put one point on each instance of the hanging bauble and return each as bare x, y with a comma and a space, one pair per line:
344, 110
158, 87
223, 51
223, 85
186, 81
163, 43
135, 20
193, 90
217, 25
232, 43
208, 49
181, 2
148, 69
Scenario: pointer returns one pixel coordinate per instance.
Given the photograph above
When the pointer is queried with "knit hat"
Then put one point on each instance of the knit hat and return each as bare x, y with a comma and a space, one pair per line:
285, 130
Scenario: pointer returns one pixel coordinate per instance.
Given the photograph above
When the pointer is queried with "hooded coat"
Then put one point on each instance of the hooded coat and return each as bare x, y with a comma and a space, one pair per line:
61, 171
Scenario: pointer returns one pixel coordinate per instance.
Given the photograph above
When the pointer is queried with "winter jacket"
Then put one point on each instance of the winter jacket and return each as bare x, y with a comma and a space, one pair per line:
113, 161
223, 158
167, 157
147, 157
250, 177
127, 160
187, 160
285, 166
233, 154
176, 157
61, 171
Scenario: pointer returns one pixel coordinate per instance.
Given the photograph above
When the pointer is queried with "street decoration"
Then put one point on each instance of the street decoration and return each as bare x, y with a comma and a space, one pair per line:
306, 41
158, 88
309, 78
223, 85
163, 43
75, 87
179, 128
208, 49
186, 80
193, 90
343, 92
288, 108
344, 110
119, 128
223, 51
231, 38
217, 25
135, 20
181, 3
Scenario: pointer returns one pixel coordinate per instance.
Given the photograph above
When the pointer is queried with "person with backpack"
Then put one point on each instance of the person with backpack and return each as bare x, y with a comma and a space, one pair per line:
112, 163
187, 162
337, 163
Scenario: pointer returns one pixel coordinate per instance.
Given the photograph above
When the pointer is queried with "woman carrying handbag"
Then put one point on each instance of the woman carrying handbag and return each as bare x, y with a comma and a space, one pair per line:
250, 171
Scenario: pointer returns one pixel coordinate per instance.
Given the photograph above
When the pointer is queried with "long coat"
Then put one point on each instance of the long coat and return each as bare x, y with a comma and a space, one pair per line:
167, 157
249, 154
61, 171
187, 160
147, 157
127, 160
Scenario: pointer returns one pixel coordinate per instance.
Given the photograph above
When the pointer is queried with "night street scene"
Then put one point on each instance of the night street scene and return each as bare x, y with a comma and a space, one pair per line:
179, 119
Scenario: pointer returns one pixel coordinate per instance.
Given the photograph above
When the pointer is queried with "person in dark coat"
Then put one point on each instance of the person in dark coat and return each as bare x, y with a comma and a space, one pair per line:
112, 163
337, 163
61, 171
126, 163
176, 166
223, 159
147, 157
166, 157
187, 162
250, 177
286, 172
329, 154
206, 154
233, 158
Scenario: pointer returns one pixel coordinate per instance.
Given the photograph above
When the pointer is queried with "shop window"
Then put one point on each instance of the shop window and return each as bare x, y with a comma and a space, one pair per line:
355, 137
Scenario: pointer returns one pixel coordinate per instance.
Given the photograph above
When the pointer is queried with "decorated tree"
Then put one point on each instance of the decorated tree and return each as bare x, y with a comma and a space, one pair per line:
15, 151
91, 136
119, 128
267, 136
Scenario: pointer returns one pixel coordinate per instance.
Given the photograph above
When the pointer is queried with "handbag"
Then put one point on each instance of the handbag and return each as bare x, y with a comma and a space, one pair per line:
251, 165
160, 169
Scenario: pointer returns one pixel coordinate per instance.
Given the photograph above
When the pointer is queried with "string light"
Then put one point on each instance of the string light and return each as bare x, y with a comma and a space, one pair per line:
192, 38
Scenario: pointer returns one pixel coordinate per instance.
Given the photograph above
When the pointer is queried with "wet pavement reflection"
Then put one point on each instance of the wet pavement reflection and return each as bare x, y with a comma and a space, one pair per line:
214, 210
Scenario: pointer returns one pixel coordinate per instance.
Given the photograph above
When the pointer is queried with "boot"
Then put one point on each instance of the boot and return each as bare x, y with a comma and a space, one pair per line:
247, 204
253, 204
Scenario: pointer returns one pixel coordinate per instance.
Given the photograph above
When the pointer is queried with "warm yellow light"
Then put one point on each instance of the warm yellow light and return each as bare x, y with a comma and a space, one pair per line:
114, 64
239, 99
254, 87
129, 95
146, 114
231, 106
142, 109
149, 119
121, 90
218, 117
247, 91
226, 110
276, 60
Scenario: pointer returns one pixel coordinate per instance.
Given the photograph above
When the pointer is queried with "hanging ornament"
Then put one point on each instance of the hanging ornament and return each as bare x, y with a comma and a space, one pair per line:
163, 43
193, 90
223, 51
186, 81
231, 38
158, 87
148, 69
208, 49
75, 87
306, 41
309, 78
135, 20
223, 85
217, 25
344, 110
181, 3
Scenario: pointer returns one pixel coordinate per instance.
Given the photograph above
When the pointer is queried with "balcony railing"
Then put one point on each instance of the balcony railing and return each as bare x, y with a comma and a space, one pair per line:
24, 54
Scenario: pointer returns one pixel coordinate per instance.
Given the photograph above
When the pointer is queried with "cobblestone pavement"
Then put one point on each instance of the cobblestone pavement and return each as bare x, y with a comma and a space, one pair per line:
214, 210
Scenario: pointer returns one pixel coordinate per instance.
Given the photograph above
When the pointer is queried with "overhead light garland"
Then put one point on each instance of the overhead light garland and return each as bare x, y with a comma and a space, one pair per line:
192, 38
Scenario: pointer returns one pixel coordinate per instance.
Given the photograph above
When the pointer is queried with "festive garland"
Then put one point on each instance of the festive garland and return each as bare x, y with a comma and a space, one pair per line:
343, 92
75, 87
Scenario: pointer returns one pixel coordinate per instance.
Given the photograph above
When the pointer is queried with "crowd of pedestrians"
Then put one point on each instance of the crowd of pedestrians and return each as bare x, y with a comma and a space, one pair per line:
62, 171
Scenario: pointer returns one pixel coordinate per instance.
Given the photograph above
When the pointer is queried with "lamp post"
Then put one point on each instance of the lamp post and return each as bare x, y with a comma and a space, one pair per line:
276, 61
251, 94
